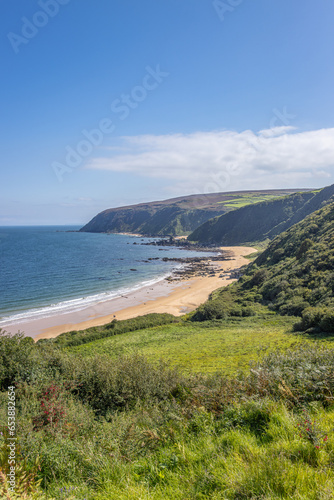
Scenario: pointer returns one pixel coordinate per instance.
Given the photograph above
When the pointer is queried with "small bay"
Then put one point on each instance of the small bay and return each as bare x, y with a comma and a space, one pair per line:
46, 270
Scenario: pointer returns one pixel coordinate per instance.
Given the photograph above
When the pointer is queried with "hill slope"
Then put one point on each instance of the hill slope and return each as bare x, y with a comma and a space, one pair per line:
298, 267
293, 276
174, 217
262, 220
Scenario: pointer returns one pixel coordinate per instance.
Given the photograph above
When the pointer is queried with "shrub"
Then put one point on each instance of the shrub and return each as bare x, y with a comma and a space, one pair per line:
52, 407
115, 327
320, 318
15, 353
278, 255
304, 247
109, 385
300, 376
213, 309
327, 321
259, 277
311, 318
293, 307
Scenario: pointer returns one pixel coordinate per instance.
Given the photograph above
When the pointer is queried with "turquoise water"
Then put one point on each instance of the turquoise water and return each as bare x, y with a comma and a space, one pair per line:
48, 270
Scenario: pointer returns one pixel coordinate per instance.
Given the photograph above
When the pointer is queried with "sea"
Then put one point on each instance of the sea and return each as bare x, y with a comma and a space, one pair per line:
49, 270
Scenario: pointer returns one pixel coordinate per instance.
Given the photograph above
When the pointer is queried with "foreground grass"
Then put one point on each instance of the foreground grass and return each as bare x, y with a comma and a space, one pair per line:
109, 420
132, 430
205, 458
227, 345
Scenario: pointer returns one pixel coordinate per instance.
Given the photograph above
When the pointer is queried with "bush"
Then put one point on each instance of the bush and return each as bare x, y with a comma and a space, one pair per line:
259, 277
109, 385
278, 255
300, 376
293, 307
15, 353
320, 318
213, 309
311, 318
304, 247
327, 321
115, 327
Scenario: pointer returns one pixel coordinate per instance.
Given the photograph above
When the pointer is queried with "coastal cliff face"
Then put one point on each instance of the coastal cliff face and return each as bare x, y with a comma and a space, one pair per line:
171, 220
262, 220
174, 217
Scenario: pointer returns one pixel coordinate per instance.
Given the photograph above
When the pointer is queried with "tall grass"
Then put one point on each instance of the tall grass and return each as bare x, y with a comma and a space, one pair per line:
127, 429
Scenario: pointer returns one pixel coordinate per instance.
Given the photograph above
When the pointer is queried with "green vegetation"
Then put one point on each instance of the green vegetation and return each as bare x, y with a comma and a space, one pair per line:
110, 329
260, 221
242, 201
105, 428
175, 217
221, 345
233, 401
293, 276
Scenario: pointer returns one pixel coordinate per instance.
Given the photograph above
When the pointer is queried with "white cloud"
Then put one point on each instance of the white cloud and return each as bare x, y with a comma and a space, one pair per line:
276, 131
227, 160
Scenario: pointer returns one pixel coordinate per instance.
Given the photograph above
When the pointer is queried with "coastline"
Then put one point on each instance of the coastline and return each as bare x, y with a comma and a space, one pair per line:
137, 235
172, 295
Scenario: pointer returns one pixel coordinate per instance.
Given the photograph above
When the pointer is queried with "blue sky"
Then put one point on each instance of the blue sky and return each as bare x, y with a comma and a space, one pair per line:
107, 103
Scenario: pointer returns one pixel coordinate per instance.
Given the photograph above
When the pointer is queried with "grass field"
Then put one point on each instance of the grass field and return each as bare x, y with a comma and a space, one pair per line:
248, 199
224, 345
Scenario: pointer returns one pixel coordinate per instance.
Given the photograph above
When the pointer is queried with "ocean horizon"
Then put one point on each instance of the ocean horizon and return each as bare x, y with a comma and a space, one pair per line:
49, 270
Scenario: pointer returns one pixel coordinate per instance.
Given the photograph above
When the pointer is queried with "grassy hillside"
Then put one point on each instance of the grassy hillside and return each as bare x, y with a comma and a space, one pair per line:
261, 221
293, 276
297, 271
175, 217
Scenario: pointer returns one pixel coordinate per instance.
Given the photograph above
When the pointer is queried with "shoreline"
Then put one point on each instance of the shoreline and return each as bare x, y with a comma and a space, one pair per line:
137, 235
176, 295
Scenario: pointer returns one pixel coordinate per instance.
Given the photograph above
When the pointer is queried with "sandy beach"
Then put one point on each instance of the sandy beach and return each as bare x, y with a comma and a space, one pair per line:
175, 297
